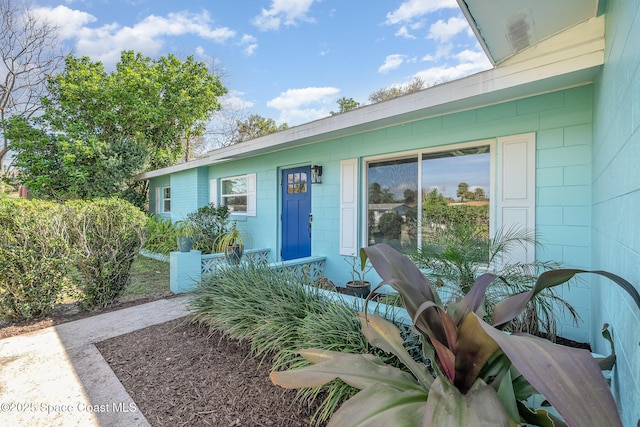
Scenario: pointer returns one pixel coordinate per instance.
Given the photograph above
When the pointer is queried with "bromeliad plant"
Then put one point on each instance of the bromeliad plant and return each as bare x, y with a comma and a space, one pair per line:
479, 375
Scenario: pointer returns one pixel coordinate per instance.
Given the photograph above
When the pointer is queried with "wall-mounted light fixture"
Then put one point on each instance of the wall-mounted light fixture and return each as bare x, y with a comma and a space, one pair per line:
316, 173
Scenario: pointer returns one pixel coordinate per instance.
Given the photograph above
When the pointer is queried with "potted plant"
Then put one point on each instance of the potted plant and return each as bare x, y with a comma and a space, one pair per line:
358, 286
231, 243
185, 237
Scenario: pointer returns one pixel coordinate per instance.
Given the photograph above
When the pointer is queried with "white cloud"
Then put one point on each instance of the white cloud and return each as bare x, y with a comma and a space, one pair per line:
445, 31
404, 32
105, 43
249, 44
68, 21
469, 62
412, 9
283, 12
391, 63
233, 100
304, 105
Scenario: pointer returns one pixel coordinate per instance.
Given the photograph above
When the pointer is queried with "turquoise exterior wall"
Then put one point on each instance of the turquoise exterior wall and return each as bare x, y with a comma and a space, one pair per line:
562, 121
616, 198
162, 181
189, 191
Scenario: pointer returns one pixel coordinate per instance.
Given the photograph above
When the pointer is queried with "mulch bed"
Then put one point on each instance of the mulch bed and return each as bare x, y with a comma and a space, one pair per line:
178, 376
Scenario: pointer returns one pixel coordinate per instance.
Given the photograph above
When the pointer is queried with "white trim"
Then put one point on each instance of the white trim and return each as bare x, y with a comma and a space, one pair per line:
417, 154
251, 194
213, 191
349, 207
516, 188
160, 200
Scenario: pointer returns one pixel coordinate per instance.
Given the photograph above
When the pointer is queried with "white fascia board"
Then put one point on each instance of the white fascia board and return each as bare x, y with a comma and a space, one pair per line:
570, 59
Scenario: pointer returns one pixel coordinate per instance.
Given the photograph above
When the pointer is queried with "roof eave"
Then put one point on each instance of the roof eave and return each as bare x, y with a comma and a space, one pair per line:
570, 60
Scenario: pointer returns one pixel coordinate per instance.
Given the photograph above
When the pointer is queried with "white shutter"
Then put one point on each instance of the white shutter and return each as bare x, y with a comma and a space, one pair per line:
349, 207
159, 200
251, 194
213, 191
517, 189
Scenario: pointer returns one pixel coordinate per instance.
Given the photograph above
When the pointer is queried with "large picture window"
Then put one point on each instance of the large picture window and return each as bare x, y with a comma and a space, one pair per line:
392, 202
409, 199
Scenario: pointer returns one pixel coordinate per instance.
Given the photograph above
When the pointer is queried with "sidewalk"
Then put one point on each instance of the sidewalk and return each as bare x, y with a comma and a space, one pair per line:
57, 377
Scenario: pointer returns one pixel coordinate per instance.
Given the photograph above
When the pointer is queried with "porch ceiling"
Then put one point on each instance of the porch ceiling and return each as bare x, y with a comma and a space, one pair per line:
506, 27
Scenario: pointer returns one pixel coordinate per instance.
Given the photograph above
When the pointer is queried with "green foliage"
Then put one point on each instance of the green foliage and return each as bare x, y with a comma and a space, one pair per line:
208, 223
390, 225
457, 253
107, 235
100, 129
482, 375
256, 126
54, 166
437, 212
161, 235
34, 257
269, 309
345, 104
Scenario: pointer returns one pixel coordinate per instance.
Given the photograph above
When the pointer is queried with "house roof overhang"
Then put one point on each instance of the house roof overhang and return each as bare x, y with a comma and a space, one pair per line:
568, 59
506, 27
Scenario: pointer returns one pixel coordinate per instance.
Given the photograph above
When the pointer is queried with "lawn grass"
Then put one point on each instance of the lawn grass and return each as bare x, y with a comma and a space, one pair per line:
149, 279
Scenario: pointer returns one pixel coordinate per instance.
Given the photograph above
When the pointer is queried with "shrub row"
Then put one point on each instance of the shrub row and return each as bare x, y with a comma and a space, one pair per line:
46, 248
271, 311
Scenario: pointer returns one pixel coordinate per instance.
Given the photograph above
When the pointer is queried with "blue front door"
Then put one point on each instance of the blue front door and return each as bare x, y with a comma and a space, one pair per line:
296, 213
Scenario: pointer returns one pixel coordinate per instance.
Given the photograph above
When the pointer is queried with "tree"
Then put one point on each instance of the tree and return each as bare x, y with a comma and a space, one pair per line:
377, 194
101, 126
345, 105
29, 52
463, 191
395, 91
159, 103
256, 126
54, 166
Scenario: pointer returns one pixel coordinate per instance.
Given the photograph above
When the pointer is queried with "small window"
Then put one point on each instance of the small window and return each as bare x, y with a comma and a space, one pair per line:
164, 200
234, 194
296, 183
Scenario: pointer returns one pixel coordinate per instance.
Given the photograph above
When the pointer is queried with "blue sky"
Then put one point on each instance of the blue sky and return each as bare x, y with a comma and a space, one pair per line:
289, 60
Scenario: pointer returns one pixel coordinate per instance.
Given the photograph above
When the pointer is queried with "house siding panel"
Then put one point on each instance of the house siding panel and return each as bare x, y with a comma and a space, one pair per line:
616, 198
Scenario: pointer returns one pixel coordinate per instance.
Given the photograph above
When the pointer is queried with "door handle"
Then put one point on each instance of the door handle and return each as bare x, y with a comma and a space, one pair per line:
309, 224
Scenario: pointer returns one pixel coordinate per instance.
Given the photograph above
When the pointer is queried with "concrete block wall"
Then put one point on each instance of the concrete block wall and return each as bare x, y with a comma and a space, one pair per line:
616, 198
189, 191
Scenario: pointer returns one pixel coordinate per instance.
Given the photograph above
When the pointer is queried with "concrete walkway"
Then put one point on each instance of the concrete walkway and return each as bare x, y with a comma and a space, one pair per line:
57, 377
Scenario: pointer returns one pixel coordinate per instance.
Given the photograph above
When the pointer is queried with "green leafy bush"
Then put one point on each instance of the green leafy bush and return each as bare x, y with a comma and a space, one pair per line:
161, 235
208, 224
34, 257
107, 235
456, 254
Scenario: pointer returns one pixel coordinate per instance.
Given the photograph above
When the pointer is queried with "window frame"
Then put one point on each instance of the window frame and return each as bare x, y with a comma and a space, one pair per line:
162, 200
418, 154
250, 193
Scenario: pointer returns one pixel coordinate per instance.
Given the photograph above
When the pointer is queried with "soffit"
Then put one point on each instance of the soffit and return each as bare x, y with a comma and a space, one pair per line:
506, 27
